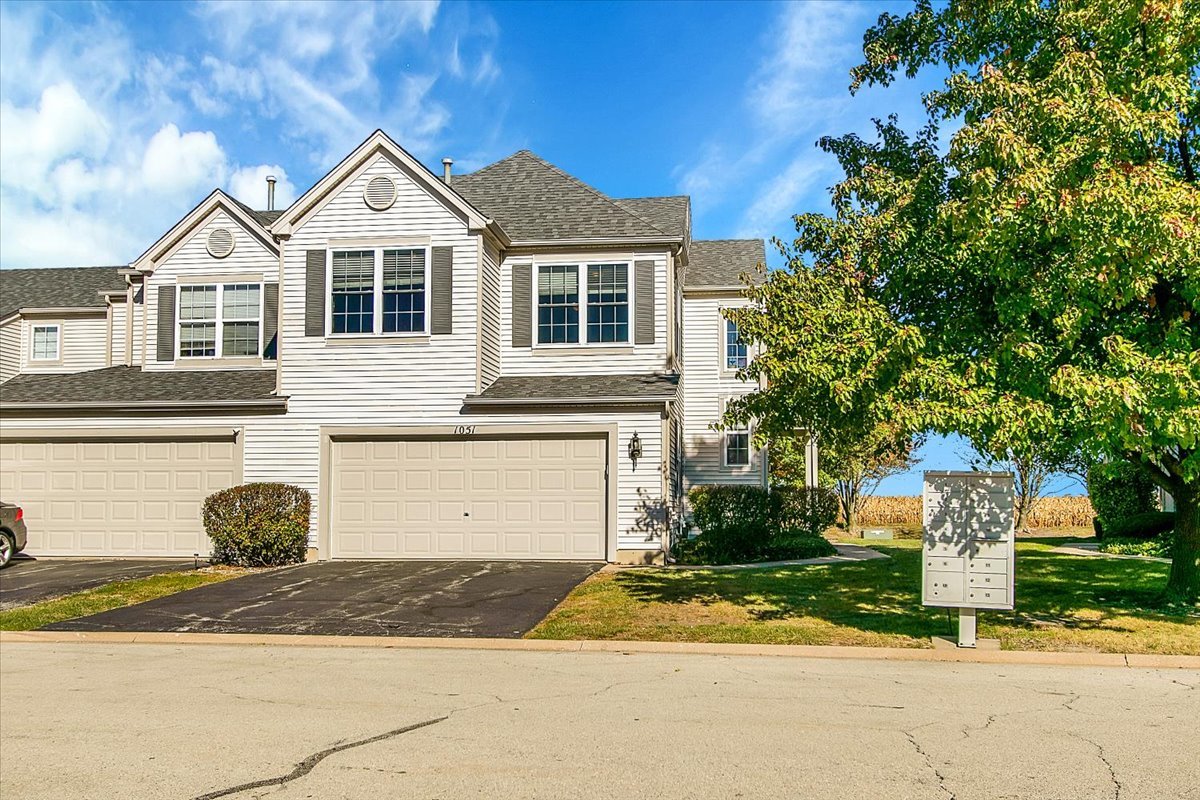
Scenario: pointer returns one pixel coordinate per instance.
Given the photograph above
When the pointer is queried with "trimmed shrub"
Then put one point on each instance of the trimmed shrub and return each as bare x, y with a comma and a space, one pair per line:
258, 524
748, 523
1141, 526
808, 511
1119, 491
734, 521
789, 545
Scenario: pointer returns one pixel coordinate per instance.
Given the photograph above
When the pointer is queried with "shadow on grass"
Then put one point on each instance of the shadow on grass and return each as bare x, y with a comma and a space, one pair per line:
883, 596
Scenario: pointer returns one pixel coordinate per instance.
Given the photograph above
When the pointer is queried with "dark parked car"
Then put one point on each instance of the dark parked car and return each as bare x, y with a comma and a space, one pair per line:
12, 532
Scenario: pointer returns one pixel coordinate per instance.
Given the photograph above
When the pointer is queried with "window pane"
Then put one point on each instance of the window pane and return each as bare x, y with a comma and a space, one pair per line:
240, 301
403, 291
735, 348
608, 302
558, 304
197, 339
239, 339
737, 449
45, 342
353, 291
197, 302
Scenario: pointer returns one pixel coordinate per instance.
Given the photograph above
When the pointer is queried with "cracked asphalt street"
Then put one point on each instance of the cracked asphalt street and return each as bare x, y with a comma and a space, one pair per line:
215, 721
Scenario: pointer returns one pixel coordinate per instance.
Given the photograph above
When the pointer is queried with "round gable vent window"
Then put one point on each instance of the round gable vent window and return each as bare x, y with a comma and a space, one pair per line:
380, 192
220, 242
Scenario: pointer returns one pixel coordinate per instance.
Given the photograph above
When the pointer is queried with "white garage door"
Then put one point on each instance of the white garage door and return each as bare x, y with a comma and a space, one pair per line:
469, 498
110, 497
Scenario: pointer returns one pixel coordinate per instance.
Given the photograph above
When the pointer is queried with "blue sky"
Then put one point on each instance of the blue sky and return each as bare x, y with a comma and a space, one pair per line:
115, 119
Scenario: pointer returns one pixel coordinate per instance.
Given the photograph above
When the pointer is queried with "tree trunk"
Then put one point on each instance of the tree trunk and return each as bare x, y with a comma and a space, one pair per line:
1183, 585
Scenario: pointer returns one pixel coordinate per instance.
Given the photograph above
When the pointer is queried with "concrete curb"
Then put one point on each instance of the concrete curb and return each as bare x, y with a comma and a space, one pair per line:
592, 646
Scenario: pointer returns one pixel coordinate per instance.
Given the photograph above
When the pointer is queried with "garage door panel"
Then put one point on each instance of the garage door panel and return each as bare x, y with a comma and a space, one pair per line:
469, 498
135, 498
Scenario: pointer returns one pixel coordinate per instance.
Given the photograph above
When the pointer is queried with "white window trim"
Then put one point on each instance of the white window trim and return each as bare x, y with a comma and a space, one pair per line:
581, 266
377, 289
725, 433
220, 338
58, 342
723, 351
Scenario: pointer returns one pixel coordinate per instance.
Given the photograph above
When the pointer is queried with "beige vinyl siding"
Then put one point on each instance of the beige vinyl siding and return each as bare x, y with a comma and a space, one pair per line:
417, 382
490, 318
611, 359
10, 349
119, 313
704, 387
250, 257
83, 343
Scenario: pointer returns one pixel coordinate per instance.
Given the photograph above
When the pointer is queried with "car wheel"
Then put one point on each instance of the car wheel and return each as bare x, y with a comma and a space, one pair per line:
8, 547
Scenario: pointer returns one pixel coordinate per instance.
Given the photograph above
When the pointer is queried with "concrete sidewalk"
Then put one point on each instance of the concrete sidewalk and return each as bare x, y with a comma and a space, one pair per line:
953, 655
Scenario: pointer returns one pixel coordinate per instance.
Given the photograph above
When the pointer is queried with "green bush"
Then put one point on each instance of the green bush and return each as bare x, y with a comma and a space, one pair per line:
790, 545
258, 524
808, 510
1158, 546
748, 523
1119, 491
1141, 526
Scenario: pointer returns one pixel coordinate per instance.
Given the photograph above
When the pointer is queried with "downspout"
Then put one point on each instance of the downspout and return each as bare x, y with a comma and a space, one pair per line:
129, 311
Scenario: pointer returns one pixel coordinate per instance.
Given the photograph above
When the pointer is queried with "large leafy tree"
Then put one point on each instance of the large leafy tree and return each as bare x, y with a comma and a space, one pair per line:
1034, 279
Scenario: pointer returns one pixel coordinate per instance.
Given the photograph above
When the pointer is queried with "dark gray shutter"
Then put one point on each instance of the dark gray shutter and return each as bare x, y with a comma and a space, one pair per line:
643, 301
522, 302
270, 320
442, 285
166, 323
314, 293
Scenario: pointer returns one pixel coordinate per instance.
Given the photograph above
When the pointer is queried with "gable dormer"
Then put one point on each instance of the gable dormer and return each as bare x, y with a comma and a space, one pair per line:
211, 294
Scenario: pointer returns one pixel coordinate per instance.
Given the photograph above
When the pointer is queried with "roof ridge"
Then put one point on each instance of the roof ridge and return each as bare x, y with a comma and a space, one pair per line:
747, 239
591, 189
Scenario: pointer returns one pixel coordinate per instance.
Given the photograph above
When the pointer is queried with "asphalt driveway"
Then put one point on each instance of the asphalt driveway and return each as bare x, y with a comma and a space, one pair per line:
365, 598
28, 580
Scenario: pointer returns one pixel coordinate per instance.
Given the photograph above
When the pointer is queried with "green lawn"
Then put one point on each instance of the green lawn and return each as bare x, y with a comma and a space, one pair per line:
1063, 603
112, 595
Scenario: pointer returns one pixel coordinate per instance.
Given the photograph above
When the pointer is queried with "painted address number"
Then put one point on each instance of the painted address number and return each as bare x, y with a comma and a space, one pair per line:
464, 430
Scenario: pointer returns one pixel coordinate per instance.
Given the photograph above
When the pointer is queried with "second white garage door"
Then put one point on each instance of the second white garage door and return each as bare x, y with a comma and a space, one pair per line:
97, 496
469, 498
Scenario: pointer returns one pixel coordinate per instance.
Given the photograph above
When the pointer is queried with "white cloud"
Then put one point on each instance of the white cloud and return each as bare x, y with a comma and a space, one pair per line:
109, 134
175, 162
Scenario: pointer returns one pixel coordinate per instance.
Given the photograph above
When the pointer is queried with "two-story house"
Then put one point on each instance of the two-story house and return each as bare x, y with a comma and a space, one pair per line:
506, 364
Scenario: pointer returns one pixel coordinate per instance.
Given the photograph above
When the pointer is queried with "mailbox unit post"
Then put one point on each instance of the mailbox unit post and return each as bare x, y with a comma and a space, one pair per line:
967, 547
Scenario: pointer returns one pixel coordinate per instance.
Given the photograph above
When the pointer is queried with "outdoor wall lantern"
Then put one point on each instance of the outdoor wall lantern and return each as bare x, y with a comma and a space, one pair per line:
635, 448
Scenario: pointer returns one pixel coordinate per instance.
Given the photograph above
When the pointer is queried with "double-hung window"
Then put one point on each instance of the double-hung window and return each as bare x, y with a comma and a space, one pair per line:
221, 320
379, 291
596, 293
44, 342
736, 354
735, 445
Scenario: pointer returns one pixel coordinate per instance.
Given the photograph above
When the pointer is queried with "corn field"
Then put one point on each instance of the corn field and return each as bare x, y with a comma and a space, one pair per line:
1050, 512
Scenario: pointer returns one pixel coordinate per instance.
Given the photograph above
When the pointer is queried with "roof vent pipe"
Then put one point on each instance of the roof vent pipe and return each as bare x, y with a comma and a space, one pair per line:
270, 193
446, 164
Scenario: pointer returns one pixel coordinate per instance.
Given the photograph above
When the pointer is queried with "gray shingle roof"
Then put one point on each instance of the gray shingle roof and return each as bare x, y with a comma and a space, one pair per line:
579, 389
534, 200
64, 287
127, 386
720, 262
670, 214
264, 218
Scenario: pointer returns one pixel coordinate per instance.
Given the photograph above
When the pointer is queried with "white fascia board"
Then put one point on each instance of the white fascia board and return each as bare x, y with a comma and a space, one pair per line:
377, 142
217, 200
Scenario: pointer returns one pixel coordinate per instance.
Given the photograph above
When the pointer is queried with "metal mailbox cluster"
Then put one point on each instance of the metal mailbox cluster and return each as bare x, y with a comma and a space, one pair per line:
968, 540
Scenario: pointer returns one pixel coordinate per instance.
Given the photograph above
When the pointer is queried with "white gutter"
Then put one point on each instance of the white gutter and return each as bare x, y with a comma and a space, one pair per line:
193, 405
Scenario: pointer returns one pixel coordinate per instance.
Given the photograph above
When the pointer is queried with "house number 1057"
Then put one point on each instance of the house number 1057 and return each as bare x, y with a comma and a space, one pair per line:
464, 430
